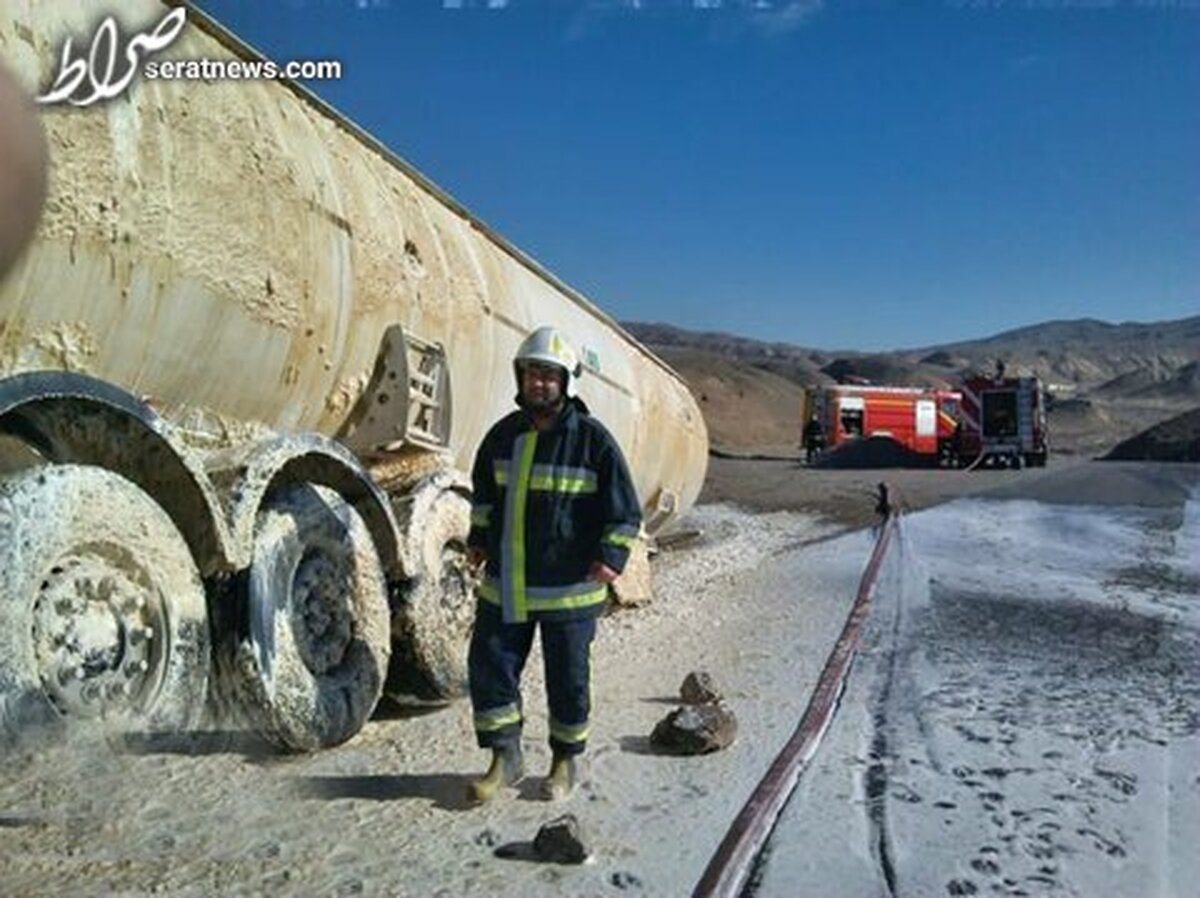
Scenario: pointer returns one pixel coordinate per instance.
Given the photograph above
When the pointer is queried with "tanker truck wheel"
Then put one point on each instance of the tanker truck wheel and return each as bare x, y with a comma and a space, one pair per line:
310, 664
102, 611
431, 624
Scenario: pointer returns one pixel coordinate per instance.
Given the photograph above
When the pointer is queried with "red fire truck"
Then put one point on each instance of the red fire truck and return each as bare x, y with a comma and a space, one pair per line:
921, 420
1004, 421
992, 420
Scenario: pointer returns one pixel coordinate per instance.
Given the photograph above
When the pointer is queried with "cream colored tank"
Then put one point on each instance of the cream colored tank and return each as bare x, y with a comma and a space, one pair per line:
236, 251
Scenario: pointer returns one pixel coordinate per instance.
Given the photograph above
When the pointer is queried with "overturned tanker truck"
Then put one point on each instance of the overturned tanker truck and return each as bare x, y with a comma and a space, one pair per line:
243, 365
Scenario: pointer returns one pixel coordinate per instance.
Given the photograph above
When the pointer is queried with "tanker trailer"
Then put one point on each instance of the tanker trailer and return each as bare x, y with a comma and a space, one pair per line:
243, 367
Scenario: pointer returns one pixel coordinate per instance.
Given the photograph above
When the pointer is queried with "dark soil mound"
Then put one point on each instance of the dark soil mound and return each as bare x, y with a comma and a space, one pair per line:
872, 452
1177, 439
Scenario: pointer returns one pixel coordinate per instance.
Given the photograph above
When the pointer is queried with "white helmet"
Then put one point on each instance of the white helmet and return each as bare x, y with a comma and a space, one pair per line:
548, 346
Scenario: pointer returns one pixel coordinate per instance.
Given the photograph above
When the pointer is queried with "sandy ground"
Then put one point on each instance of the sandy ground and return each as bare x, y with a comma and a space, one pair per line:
847, 496
758, 601
384, 815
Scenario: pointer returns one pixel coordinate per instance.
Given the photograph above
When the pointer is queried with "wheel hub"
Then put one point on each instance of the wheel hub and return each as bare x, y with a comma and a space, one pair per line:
324, 625
94, 636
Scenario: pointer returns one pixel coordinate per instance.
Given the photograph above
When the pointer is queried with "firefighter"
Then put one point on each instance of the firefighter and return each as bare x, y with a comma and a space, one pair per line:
554, 514
956, 445
883, 502
814, 439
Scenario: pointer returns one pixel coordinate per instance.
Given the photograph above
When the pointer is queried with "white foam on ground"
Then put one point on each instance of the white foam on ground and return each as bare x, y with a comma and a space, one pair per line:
1023, 718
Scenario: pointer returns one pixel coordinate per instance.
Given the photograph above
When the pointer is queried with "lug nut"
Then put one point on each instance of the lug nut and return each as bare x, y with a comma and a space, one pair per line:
139, 635
133, 668
117, 690
90, 692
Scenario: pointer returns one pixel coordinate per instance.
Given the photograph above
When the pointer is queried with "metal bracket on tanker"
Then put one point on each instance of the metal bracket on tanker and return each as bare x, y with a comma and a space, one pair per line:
407, 402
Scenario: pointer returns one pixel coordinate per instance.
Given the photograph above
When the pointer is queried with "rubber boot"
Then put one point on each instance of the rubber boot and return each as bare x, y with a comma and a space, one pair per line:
508, 766
560, 782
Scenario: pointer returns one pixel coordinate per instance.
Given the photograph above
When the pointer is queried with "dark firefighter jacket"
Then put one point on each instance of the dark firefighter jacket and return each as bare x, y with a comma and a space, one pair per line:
546, 505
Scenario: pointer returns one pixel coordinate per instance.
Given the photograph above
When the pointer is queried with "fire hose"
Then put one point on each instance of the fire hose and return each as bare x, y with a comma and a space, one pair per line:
730, 867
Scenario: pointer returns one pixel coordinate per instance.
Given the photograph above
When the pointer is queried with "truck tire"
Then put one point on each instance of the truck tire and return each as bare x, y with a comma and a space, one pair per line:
306, 660
431, 622
102, 610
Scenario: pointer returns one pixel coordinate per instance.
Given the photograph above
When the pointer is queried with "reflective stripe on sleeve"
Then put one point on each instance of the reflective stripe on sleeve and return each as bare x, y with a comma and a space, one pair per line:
620, 535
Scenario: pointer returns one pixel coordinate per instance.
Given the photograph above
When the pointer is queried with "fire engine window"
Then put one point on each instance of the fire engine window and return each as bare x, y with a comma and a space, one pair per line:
1000, 414
852, 422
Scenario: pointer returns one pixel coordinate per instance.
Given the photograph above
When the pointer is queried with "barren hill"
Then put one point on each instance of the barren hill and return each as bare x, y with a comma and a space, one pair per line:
1108, 382
747, 409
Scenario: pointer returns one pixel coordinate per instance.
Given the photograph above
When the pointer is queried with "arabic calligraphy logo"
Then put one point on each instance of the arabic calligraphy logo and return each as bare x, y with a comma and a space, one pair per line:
99, 67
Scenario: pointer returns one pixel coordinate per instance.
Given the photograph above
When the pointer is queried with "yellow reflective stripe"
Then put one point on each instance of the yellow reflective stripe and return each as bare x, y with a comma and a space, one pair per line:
489, 591
562, 603
565, 733
620, 539
497, 718
520, 494
500, 472
561, 484
563, 479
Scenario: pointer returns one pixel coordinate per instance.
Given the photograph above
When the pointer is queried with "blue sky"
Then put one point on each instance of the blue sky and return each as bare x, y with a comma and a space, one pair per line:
863, 175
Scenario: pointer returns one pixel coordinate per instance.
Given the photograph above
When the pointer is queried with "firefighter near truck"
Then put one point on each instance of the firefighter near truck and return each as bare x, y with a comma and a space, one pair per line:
989, 420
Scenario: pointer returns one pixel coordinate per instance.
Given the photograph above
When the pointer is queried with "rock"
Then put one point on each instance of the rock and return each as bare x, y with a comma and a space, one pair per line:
695, 730
623, 880
561, 841
699, 689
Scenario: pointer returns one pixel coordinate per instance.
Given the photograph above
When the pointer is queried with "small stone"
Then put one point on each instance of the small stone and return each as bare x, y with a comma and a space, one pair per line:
561, 841
623, 880
695, 730
487, 838
699, 689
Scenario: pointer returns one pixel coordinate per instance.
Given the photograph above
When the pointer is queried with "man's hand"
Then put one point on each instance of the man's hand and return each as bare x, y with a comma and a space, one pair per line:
476, 559
602, 573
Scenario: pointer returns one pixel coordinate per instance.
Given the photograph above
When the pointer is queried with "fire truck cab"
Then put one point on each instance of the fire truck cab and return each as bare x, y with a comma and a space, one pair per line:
919, 419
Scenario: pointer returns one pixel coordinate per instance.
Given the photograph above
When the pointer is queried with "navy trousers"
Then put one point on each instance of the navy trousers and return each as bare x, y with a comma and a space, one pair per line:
497, 657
